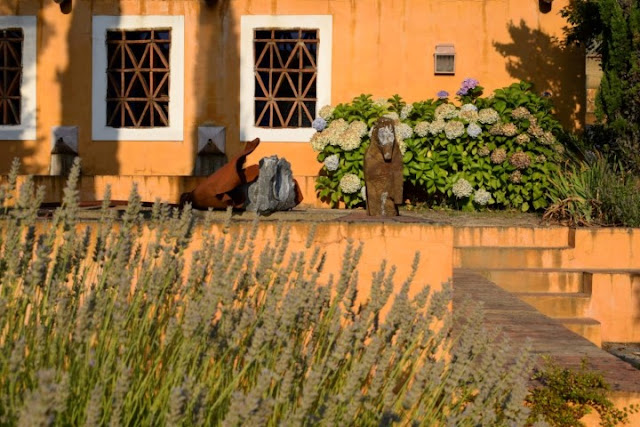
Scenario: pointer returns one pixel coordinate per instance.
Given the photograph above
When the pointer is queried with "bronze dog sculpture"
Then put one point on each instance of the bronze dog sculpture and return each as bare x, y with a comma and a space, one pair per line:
383, 170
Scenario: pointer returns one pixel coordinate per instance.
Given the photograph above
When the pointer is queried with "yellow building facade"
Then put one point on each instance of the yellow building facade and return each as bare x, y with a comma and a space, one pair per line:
139, 87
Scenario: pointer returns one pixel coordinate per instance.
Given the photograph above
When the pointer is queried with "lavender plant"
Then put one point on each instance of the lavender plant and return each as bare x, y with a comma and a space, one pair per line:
129, 321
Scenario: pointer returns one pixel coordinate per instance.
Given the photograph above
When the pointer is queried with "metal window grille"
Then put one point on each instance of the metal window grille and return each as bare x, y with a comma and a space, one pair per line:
138, 78
11, 40
286, 71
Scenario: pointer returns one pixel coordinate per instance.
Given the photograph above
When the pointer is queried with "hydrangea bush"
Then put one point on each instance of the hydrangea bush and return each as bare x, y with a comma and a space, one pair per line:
480, 152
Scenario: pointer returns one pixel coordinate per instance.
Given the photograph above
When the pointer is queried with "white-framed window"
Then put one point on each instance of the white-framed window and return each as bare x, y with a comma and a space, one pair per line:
285, 75
138, 78
18, 77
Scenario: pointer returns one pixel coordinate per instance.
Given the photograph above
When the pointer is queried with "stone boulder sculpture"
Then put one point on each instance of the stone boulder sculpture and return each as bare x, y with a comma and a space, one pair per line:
383, 170
275, 189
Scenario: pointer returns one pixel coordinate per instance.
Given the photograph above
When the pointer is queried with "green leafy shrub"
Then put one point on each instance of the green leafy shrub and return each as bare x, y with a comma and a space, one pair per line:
109, 325
490, 152
566, 396
595, 193
612, 29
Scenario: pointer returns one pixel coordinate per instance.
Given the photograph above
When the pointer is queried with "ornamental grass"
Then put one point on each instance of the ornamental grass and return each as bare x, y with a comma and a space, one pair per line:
111, 325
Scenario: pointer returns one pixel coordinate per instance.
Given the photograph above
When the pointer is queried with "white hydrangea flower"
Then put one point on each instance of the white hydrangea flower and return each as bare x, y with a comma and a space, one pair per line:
319, 141
422, 129
462, 188
469, 116
403, 131
488, 116
446, 111
359, 127
350, 183
509, 129
349, 140
381, 102
482, 197
454, 129
363, 193
326, 112
520, 113
339, 125
406, 110
332, 136
436, 127
332, 162
391, 115
547, 138
469, 107
473, 130
402, 146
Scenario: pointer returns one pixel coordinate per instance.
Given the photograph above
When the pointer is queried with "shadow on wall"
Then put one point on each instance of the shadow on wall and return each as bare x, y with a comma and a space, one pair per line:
216, 84
546, 62
210, 93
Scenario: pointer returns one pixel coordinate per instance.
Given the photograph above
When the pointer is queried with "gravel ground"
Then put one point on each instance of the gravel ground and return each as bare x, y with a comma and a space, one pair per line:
445, 217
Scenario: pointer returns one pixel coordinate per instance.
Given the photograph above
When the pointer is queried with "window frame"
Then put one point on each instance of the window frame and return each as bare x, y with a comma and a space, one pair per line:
324, 25
26, 130
175, 130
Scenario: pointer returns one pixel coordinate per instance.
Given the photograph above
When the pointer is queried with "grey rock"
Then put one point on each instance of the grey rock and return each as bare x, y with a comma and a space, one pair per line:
274, 190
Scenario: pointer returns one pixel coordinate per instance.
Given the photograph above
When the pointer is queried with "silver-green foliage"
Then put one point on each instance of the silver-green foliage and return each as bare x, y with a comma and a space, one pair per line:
98, 327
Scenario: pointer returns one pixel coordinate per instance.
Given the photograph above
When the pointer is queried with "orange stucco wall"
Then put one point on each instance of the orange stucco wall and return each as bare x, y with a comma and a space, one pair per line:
379, 47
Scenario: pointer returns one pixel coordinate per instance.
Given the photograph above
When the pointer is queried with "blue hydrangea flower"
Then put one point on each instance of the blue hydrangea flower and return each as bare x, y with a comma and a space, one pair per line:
473, 130
443, 94
467, 85
319, 124
470, 83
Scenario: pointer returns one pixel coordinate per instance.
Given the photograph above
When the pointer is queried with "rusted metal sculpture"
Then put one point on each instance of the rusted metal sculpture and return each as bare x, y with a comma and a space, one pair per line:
383, 170
229, 185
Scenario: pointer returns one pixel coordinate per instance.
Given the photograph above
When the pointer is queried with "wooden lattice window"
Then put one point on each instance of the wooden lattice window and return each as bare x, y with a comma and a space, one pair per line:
285, 77
11, 40
138, 78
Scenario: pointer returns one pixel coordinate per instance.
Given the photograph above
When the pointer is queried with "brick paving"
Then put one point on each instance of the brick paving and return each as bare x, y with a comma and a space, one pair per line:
520, 321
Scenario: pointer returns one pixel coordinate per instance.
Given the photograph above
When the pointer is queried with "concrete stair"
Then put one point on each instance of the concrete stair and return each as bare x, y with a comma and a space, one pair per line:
585, 327
479, 258
532, 269
558, 305
539, 280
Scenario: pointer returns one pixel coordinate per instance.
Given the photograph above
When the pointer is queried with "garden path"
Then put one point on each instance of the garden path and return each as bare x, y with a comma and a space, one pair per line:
520, 321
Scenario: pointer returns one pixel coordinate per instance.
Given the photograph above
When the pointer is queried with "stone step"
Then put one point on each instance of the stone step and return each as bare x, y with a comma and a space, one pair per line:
487, 236
558, 305
510, 257
540, 280
585, 327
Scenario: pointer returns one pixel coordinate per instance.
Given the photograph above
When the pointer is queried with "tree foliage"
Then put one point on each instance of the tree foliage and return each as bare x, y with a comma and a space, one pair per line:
612, 28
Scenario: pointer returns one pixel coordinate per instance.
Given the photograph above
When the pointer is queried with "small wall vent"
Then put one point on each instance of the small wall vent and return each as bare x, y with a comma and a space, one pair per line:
445, 59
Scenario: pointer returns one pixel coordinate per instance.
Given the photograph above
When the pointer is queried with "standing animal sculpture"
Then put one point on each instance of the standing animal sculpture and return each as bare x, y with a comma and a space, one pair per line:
383, 170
